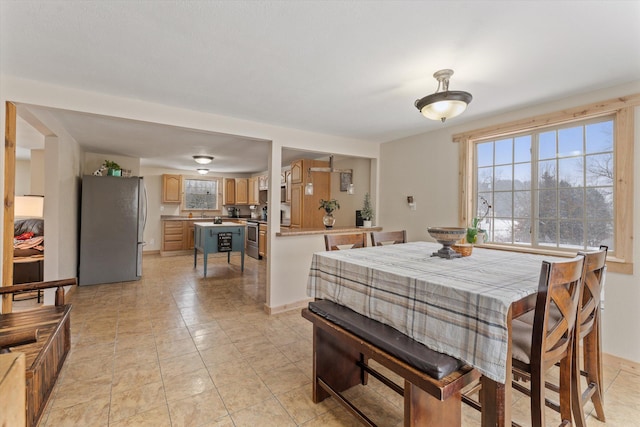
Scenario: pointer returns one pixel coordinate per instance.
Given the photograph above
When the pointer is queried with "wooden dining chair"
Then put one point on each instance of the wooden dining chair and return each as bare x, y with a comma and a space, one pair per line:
334, 242
379, 238
538, 347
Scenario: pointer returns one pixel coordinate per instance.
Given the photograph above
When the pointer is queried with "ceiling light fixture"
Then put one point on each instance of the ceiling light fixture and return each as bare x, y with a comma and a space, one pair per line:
308, 189
444, 104
203, 160
203, 171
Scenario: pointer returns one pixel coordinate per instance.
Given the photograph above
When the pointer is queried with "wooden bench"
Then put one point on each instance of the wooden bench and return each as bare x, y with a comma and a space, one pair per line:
43, 335
343, 343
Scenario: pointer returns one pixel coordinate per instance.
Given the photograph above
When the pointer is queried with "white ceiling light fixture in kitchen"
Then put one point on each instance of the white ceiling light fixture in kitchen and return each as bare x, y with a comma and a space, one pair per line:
203, 171
202, 159
445, 104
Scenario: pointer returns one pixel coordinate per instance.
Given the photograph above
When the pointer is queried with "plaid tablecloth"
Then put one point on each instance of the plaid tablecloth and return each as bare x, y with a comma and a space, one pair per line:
458, 306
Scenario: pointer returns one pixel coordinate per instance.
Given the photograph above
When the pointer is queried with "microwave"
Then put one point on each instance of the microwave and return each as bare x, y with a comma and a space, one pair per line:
283, 194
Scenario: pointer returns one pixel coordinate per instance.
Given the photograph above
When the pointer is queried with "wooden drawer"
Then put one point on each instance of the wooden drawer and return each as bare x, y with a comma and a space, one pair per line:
172, 235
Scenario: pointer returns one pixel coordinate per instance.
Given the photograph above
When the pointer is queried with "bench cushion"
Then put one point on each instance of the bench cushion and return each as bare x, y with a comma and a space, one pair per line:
435, 364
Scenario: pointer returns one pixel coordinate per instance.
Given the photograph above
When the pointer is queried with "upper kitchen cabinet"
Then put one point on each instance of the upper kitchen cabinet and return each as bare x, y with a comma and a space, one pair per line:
171, 188
253, 191
297, 170
229, 191
263, 182
242, 191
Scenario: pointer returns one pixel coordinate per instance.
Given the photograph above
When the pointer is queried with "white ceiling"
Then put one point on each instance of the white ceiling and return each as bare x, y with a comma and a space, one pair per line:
349, 68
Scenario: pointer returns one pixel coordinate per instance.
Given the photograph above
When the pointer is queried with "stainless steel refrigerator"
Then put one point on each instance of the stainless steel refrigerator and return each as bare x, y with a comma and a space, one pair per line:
112, 221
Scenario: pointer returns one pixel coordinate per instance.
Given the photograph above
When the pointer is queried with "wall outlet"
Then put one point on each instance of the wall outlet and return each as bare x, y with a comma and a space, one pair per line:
161, 208
152, 241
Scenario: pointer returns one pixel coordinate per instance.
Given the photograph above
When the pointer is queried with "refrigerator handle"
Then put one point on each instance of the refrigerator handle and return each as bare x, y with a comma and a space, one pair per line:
146, 202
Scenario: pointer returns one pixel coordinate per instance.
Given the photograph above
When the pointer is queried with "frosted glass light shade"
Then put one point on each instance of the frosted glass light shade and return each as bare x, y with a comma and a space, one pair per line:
203, 171
203, 160
443, 110
308, 189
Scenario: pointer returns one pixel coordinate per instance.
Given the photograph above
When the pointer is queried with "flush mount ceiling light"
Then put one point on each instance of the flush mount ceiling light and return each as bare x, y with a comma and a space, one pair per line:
203, 171
443, 104
203, 160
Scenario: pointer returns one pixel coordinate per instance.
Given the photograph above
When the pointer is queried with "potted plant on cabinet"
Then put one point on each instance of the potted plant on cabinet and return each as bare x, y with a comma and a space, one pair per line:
114, 169
329, 206
367, 212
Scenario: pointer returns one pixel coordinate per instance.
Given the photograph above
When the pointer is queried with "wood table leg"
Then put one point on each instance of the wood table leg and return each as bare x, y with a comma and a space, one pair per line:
423, 409
335, 362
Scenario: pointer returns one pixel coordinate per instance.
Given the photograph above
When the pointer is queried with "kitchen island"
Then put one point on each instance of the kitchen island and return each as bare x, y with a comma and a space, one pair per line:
214, 238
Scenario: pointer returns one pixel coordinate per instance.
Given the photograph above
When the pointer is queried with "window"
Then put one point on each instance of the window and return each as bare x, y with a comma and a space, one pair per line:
550, 188
201, 194
557, 183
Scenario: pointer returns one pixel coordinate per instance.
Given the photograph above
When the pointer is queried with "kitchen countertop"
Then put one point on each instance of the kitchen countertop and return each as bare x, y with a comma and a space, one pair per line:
211, 224
334, 230
198, 218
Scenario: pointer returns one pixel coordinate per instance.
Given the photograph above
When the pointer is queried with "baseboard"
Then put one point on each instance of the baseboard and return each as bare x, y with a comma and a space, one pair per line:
287, 307
156, 252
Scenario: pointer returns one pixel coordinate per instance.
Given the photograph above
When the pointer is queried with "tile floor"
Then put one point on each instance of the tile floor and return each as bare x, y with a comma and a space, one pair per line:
176, 349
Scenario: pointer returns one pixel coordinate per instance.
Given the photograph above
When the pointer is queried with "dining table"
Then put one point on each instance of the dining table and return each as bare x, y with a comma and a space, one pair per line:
462, 307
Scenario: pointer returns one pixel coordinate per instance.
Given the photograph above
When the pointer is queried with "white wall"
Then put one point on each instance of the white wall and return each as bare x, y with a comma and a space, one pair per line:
426, 166
23, 177
38, 177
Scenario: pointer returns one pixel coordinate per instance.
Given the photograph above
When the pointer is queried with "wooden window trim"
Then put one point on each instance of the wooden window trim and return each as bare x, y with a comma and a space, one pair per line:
623, 109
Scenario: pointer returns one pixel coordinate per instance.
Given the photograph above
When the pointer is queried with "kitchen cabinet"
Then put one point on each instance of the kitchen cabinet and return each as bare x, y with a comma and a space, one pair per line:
297, 194
263, 182
242, 191
287, 180
189, 234
253, 191
304, 209
172, 235
262, 240
177, 235
229, 191
297, 172
171, 188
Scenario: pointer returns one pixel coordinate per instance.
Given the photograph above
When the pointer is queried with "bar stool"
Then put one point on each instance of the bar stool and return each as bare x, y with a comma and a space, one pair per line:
538, 347
588, 332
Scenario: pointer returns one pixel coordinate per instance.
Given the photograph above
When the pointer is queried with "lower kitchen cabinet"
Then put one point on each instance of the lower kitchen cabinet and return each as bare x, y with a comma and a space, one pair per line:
177, 235
262, 240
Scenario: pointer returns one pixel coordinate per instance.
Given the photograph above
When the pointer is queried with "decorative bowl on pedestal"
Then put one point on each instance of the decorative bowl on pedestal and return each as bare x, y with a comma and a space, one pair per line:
447, 236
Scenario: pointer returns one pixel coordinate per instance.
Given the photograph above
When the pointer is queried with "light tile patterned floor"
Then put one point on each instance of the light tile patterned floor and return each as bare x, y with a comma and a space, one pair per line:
175, 349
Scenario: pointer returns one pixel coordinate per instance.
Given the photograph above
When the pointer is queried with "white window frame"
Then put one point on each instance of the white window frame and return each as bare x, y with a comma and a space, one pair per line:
620, 260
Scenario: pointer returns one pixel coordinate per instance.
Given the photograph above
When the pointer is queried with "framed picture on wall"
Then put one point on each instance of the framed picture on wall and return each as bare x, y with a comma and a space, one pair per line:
345, 180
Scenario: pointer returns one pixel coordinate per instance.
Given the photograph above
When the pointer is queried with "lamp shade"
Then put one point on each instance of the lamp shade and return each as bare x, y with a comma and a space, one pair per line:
443, 104
28, 206
203, 171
